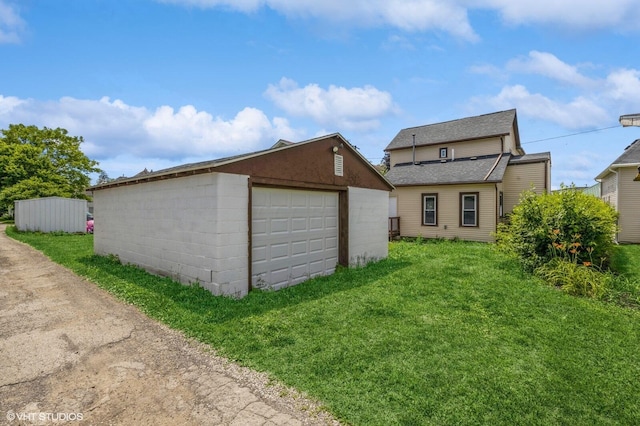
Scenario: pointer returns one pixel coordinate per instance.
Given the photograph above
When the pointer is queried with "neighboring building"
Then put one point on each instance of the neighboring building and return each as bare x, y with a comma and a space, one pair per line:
620, 187
51, 214
267, 219
459, 178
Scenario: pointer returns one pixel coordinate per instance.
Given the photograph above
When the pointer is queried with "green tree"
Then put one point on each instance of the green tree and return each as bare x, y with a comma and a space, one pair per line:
43, 162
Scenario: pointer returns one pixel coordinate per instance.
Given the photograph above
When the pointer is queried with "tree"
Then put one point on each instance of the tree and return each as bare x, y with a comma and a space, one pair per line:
103, 178
42, 163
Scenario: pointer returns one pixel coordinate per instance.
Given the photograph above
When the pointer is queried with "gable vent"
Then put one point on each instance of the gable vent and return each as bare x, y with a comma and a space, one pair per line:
338, 167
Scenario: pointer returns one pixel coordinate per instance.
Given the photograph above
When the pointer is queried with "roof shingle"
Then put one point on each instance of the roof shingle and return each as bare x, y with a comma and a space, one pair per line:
470, 128
485, 169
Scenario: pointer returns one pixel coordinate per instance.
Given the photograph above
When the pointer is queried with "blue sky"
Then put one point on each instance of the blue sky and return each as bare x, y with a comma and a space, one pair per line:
153, 84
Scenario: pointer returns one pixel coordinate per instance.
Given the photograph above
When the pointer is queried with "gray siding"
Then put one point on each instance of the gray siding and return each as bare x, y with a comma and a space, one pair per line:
51, 214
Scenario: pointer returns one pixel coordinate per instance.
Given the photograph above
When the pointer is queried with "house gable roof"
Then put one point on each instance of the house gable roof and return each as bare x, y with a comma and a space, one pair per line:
306, 162
630, 157
482, 169
479, 127
539, 157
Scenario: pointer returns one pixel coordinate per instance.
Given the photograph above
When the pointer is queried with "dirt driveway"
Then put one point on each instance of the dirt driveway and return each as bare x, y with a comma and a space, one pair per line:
72, 353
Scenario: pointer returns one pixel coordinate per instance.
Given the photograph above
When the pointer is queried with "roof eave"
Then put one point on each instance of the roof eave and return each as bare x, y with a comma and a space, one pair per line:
608, 170
200, 169
473, 182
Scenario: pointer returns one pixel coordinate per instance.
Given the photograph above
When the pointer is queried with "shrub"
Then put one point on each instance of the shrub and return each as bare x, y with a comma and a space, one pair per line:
565, 224
576, 279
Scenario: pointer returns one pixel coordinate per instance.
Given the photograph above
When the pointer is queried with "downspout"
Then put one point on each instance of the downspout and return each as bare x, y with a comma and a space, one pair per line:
497, 208
493, 167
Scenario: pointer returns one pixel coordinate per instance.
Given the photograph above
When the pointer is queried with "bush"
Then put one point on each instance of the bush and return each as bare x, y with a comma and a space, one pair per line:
566, 224
576, 279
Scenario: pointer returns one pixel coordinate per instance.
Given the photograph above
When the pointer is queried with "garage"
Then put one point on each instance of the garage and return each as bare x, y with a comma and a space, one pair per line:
263, 220
294, 236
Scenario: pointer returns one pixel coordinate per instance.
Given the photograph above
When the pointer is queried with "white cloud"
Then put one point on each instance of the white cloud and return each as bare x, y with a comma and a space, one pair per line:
447, 16
578, 14
623, 85
413, 15
357, 108
113, 128
594, 101
548, 65
576, 114
11, 24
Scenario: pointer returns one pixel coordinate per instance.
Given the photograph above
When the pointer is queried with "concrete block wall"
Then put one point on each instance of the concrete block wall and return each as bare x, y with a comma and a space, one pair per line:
368, 225
192, 229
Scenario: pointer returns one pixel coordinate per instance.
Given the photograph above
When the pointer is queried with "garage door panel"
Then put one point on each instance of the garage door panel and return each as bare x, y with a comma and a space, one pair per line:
294, 235
299, 224
331, 243
259, 254
259, 227
299, 248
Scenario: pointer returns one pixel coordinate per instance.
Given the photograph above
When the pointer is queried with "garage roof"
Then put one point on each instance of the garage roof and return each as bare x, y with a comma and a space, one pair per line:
305, 157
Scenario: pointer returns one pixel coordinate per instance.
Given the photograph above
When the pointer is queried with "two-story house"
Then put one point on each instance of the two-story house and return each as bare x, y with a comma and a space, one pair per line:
459, 178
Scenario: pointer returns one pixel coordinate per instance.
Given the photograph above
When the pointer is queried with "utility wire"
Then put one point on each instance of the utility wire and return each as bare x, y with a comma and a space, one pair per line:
572, 134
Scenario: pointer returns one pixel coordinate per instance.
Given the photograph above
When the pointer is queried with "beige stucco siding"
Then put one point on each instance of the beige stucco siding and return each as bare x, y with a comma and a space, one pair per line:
521, 177
458, 149
448, 212
628, 205
193, 229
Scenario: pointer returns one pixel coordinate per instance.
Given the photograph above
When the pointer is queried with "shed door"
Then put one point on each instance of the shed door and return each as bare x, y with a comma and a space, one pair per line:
294, 236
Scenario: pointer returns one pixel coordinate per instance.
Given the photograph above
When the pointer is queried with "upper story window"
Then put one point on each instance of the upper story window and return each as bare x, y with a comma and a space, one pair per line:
443, 152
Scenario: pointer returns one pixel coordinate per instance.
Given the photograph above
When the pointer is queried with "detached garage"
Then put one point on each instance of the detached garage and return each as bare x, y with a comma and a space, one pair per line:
268, 219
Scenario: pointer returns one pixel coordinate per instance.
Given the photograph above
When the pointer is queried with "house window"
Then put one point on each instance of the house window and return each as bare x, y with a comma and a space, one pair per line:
469, 209
443, 152
430, 209
501, 205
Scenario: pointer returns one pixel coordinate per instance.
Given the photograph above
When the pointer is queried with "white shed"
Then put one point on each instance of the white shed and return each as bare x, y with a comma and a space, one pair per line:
270, 219
51, 214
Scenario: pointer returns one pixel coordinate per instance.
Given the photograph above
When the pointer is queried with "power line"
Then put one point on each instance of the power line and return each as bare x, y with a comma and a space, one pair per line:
572, 134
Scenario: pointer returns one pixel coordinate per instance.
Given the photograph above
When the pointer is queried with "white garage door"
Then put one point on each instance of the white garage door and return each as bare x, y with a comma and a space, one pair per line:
294, 236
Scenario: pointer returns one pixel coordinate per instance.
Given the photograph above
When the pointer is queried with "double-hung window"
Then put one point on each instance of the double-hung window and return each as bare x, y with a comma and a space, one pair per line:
430, 209
469, 209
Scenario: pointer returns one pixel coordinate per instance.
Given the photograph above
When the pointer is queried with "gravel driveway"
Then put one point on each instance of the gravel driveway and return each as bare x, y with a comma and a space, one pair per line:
72, 353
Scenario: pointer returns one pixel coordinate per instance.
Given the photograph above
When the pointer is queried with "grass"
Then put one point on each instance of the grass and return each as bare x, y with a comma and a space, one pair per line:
439, 333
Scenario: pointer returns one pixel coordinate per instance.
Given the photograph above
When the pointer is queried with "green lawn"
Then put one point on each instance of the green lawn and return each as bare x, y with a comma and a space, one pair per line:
439, 333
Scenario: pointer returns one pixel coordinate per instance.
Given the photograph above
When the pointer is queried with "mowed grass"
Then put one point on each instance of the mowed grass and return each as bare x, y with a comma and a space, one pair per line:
439, 333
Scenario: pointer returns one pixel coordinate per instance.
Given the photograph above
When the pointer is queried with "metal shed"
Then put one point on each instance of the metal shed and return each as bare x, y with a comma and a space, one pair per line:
51, 214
